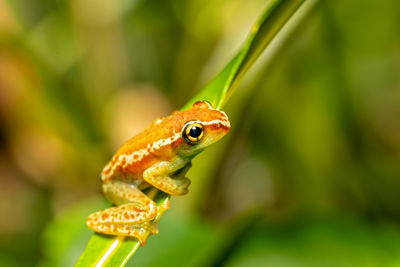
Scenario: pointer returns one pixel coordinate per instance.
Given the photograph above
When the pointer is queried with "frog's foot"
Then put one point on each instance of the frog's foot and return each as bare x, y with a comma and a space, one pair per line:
179, 174
150, 226
172, 186
128, 220
132, 231
168, 177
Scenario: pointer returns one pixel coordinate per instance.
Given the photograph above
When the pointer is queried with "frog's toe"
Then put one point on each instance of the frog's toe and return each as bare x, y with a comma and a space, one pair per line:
131, 231
183, 186
154, 228
184, 182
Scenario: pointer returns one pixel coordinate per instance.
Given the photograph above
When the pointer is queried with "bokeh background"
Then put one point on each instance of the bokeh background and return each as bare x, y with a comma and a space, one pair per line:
309, 175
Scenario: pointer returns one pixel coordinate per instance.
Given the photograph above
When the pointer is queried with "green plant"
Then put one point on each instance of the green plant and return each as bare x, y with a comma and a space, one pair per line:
116, 251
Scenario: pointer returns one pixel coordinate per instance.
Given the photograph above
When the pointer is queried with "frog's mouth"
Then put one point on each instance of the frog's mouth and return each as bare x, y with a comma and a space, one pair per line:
180, 173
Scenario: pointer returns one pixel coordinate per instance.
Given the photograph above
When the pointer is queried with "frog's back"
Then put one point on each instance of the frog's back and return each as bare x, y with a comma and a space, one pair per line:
157, 143
162, 141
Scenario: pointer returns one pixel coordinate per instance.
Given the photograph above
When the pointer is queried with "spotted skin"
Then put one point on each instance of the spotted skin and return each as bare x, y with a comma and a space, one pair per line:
158, 157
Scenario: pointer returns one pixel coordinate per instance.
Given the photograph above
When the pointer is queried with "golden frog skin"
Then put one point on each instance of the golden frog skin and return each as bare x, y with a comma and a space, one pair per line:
160, 156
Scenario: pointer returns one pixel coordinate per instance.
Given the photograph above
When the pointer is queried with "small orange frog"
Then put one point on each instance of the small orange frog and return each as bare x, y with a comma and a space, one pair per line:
160, 156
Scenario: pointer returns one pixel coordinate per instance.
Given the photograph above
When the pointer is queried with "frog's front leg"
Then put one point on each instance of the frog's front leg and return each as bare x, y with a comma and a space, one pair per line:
159, 176
132, 218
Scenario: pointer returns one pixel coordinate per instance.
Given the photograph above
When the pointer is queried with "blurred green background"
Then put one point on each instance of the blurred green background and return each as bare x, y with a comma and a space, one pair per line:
308, 176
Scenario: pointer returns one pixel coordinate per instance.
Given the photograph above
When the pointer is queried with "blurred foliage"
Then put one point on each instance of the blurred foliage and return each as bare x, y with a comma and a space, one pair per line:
310, 172
117, 250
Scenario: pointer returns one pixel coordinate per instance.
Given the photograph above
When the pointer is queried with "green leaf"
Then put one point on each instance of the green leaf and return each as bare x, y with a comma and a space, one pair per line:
116, 251
105, 250
113, 251
275, 16
185, 239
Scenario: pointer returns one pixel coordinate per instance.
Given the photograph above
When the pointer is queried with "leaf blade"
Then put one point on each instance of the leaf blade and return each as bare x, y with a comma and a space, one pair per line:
274, 17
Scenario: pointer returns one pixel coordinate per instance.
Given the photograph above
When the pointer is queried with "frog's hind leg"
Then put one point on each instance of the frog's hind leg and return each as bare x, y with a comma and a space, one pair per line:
132, 217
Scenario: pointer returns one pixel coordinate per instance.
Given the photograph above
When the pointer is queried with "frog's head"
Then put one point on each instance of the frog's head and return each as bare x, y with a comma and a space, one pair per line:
201, 126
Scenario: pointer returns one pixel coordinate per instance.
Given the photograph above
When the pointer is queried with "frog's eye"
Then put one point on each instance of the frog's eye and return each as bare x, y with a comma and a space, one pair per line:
193, 132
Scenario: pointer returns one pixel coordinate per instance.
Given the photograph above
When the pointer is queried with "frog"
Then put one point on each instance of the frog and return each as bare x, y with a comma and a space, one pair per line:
158, 157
